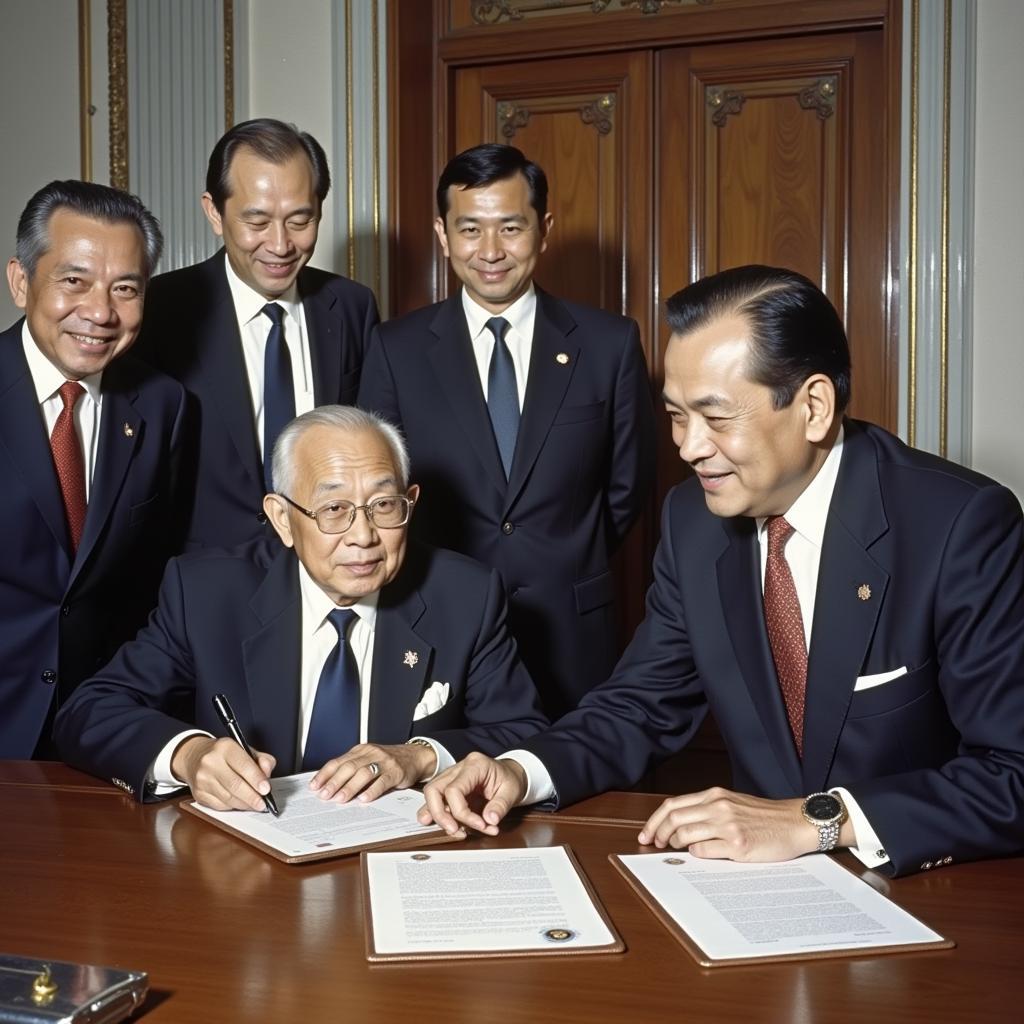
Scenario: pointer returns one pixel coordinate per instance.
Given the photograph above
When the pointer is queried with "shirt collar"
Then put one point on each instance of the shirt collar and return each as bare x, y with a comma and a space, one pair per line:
249, 303
316, 604
518, 314
808, 514
46, 378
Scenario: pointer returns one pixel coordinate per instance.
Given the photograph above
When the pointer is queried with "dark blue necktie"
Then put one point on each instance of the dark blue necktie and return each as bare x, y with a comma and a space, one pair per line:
334, 724
278, 388
502, 394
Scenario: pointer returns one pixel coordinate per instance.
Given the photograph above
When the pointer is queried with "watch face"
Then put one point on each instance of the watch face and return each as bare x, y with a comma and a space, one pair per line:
823, 807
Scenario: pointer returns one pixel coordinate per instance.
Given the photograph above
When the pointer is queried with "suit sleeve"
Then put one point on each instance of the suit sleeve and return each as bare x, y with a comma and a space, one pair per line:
973, 805
631, 469
115, 723
377, 392
648, 709
501, 706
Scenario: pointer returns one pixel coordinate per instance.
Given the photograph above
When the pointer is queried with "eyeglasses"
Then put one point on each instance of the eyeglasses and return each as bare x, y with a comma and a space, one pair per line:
385, 513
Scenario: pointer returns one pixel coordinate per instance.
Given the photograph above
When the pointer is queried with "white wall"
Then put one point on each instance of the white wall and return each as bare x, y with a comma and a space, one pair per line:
39, 114
998, 413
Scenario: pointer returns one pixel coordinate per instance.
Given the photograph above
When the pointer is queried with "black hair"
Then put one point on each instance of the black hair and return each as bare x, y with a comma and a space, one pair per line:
486, 164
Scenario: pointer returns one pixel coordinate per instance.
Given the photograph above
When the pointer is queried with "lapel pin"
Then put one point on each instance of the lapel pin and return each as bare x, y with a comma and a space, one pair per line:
864, 592
561, 358
410, 659
128, 432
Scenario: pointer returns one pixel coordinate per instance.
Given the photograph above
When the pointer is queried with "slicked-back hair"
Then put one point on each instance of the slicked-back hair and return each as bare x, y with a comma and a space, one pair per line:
342, 417
486, 164
88, 199
271, 140
795, 331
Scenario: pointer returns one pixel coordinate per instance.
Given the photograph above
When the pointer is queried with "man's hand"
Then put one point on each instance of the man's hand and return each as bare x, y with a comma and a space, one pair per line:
502, 784
400, 766
221, 774
734, 826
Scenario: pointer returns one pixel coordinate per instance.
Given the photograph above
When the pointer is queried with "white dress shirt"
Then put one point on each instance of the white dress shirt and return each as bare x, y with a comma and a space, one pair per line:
319, 638
253, 328
519, 336
807, 515
47, 381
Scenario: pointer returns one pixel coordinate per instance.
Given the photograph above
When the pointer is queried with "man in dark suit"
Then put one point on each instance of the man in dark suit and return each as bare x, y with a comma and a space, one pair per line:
851, 610
536, 447
254, 334
88, 443
428, 652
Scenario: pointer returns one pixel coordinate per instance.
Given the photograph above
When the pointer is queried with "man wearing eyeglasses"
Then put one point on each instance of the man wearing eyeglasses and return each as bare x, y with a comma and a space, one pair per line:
343, 649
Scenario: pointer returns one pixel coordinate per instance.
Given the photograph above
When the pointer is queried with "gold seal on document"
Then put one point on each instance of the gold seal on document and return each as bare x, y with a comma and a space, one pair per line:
562, 358
419, 856
558, 934
864, 592
674, 861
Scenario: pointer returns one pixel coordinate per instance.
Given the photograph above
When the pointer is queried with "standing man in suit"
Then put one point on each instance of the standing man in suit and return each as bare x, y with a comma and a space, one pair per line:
529, 421
850, 609
254, 334
88, 443
424, 649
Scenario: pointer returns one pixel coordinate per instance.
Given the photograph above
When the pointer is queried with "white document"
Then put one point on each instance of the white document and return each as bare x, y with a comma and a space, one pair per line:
309, 825
736, 911
452, 902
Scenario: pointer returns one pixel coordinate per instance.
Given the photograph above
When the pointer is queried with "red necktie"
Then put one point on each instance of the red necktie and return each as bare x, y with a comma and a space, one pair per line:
67, 457
785, 627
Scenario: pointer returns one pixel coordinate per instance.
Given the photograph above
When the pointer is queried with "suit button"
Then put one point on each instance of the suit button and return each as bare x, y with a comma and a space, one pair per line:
513, 591
65, 610
49, 677
927, 866
507, 528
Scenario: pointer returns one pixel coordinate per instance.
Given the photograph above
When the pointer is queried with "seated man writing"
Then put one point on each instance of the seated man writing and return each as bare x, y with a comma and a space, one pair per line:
424, 651
850, 610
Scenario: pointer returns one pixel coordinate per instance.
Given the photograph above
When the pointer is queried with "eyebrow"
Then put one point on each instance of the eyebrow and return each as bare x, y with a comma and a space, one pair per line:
255, 211
327, 486
466, 218
75, 268
711, 401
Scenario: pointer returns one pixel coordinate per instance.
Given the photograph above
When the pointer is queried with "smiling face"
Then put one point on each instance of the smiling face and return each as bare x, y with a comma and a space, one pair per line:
83, 304
751, 459
270, 220
492, 236
332, 464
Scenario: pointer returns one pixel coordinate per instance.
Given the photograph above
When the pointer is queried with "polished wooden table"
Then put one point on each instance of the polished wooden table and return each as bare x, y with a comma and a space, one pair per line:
228, 934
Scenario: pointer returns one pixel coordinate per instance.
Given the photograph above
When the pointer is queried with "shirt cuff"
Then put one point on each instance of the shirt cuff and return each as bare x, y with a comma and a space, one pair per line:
160, 778
444, 759
869, 850
539, 786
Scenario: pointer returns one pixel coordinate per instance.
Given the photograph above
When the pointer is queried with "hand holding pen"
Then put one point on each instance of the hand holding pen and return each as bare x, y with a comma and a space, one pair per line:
227, 716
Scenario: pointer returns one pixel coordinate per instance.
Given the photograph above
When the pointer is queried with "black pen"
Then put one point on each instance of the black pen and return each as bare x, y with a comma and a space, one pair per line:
227, 716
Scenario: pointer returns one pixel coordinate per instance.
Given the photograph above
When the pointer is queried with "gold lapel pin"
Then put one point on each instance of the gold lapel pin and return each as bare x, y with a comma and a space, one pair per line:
128, 432
410, 659
864, 592
562, 358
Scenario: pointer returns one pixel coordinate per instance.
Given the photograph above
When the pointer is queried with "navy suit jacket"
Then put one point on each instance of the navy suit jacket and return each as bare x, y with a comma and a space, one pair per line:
62, 615
190, 332
935, 757
582, 471
229, 621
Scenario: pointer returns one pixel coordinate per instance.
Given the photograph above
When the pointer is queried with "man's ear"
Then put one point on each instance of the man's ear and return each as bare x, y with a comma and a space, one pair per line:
545, 229
819, 396
413, 494
276, 510
442, 236
212, 214
17, 281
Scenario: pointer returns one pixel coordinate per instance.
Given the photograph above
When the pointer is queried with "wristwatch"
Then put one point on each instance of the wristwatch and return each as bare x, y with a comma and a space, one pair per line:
825, 811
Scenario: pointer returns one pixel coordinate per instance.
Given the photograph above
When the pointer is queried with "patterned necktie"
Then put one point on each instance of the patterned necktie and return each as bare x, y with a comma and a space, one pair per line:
785, 628
70, 463
502, 393
278, 387
334, 724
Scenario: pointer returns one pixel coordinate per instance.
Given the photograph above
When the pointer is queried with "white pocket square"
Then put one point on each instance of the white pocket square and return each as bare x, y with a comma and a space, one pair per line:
867, 682
435, 698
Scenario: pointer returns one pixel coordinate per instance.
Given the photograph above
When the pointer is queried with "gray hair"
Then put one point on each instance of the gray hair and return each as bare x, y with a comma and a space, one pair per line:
90, 200
343, 417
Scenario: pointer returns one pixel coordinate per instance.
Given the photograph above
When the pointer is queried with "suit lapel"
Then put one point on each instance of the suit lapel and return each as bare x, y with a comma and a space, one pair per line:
23, 433
401, 659
453, 362
547, 383
845, 613
739, 588
324, 344
272, 657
